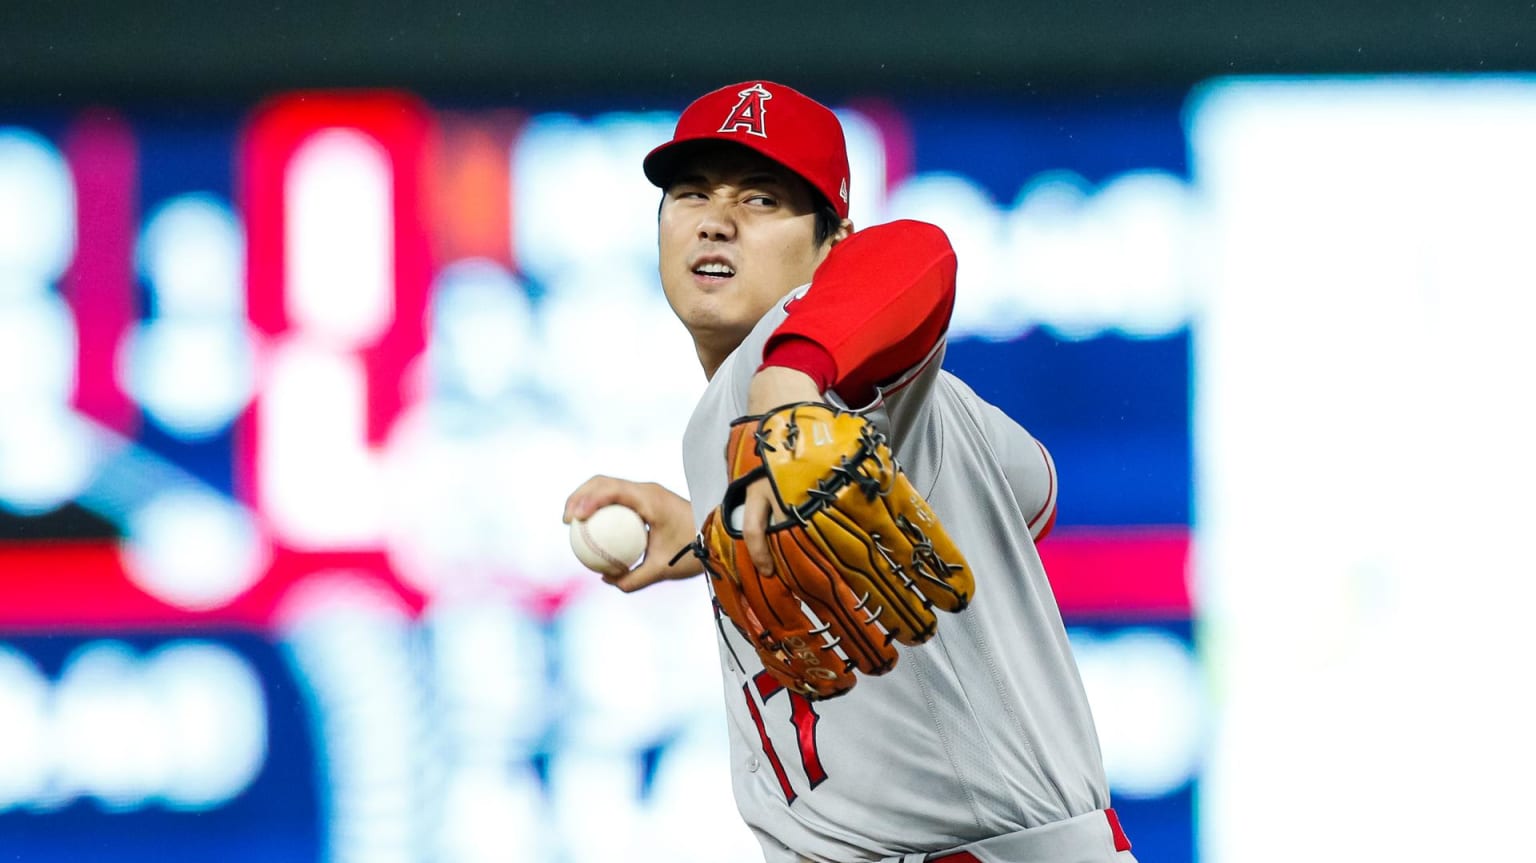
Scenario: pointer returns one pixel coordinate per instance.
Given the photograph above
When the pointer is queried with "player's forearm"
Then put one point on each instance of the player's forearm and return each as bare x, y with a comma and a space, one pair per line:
876, 307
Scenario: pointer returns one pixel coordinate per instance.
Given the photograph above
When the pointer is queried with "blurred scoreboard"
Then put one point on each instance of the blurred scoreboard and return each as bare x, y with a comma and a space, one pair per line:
290, 401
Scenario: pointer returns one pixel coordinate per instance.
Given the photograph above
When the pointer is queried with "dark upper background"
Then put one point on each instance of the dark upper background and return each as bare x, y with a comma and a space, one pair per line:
181, 51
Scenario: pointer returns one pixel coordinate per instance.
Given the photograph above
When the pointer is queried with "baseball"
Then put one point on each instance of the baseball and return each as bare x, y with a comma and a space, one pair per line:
610, 541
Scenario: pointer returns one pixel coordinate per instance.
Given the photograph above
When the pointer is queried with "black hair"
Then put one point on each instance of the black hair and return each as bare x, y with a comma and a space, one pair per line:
827, 219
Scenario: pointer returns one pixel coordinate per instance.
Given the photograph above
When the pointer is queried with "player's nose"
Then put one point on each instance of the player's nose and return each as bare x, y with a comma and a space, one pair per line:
716, 223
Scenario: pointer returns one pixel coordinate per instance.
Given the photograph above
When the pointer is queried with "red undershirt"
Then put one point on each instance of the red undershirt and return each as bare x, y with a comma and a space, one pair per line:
877, 306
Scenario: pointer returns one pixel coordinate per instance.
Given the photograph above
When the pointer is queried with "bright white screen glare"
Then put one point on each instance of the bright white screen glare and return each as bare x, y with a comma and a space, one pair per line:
1148, 705
340, 238
37, 352
866, 167
579, 192
1364, 429
24, 757
46, 459
193, 376
482, 330
191, 365
183, 726
192, 253
350, 641
1076, 259
193, 549
319, 477
37, 211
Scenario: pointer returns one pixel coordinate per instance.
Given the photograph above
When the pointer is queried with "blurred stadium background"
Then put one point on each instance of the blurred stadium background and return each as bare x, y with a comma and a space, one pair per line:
302, 314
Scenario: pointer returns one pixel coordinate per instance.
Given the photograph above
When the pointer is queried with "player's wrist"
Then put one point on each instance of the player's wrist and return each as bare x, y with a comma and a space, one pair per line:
779, 385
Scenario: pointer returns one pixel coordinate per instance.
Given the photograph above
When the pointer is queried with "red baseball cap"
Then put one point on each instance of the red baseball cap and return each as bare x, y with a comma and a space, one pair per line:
783, 124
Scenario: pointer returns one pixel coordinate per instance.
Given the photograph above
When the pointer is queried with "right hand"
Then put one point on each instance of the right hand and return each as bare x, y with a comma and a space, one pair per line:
669, 516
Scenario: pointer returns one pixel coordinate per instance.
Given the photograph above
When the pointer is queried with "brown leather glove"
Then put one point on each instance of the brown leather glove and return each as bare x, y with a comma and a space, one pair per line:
859, 562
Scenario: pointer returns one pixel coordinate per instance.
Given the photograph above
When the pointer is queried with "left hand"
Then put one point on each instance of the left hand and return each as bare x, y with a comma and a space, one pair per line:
866, 562
770, 388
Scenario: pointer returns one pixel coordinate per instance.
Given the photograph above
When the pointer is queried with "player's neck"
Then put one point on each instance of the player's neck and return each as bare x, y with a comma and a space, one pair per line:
710, 361
713, 352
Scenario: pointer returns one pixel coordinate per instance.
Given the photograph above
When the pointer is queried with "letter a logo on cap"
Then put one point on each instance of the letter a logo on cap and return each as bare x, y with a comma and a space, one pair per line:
747, 116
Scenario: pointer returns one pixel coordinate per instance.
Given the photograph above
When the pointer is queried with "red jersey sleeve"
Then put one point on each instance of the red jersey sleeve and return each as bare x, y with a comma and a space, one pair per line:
877, 306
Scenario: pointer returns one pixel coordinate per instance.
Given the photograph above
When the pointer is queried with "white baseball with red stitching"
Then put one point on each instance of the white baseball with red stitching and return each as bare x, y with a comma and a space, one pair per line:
611, 541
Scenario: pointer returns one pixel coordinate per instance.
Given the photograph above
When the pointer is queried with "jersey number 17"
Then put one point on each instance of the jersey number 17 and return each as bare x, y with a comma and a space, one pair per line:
804, 718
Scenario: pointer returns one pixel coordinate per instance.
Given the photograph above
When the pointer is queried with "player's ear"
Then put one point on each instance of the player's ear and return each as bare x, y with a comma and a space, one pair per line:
844, 229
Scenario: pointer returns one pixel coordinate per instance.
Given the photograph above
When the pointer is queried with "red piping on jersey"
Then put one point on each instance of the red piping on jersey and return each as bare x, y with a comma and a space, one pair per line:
1122, 843
1050, 498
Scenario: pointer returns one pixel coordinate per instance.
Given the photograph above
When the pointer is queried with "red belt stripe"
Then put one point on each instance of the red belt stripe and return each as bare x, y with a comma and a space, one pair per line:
1121, 843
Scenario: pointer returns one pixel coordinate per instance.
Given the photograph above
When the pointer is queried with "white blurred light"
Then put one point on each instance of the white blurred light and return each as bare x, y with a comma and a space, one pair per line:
1149, 220
692, 815
184, 725
46, 458
629, 706
468, 507
1148, 703
496, 812
191, 366
192, 253
601, 331
110, 743
582, 189
38, 344
210, 705
1076, 260
1053, 257
37, 211
1364, 376
340, 238
867, 167
24, 745
193, 549
482, 329
590, 784
350, 640
318, 475
491, 674
1119, 257
194, 376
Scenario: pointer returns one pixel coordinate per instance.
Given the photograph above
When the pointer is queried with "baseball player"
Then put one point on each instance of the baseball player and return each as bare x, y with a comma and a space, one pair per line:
898, 680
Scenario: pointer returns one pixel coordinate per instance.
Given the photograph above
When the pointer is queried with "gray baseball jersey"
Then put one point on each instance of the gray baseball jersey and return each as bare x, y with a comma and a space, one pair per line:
981, 732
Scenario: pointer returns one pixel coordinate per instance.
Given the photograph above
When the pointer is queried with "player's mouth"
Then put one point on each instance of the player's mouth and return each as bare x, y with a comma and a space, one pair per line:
713, 271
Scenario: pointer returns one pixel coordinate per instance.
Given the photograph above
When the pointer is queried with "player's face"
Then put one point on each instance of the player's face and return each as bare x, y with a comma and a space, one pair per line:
737, 233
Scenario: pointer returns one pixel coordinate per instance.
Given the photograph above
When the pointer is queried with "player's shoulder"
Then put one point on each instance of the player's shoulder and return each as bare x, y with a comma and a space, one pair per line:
954, 387
954, 404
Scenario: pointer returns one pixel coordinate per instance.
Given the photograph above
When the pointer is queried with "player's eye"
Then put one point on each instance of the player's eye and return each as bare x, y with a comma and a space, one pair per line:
763, 200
